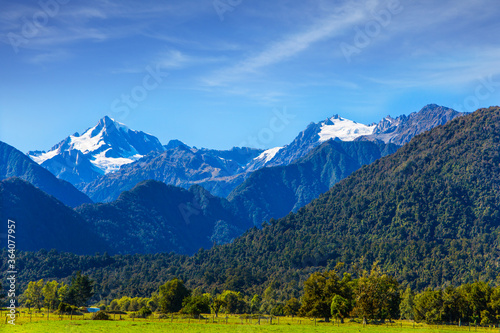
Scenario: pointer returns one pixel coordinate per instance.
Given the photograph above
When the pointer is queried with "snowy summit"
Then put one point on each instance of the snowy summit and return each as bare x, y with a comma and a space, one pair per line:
343, 129
100, 149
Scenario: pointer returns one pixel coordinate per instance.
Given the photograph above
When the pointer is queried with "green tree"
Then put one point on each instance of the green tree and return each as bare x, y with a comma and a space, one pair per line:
477, 296
153, 302
454, 305
377, 296
63, 293
340, 307
134, 305
233, 302
292, 307
255, 303
196, 305
80, 290
268, 302
407, 304
144, 312
216, 304
494, 304
171, 296
429, 306
49, 292
2, 294
124, 303
113, 306
319, 290
33, 295
278, 310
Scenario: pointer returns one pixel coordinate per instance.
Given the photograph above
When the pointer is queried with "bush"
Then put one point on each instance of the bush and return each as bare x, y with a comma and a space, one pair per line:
65, 308
144, 312
195, 305
116, 312
101, 315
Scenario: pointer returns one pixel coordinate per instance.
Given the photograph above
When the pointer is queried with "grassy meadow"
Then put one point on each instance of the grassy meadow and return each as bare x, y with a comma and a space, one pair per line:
40, 324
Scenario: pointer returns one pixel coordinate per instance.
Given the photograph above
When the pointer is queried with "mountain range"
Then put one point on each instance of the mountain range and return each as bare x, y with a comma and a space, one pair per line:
303, 180
402, 129
109, 158
397, 131
154, 217
181, 166
428, 214
143, 216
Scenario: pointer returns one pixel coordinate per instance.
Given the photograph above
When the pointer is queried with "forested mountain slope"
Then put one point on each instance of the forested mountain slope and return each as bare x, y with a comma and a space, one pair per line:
276, 191
43, 222
155, 217
428, 213
14, 163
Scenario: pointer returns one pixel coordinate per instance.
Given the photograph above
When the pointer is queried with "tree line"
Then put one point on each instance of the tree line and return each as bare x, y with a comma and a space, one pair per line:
54, 295
377, 296
374, 296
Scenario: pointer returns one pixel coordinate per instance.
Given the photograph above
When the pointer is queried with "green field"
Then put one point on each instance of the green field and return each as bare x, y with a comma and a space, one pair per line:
234, 324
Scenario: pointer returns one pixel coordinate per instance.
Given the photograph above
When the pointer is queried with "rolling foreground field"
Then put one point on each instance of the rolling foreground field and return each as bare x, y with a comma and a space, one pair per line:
234, 324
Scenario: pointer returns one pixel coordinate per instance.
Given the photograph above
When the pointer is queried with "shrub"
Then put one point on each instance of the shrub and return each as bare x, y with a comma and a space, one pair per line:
144, 312
65, 308
101, 315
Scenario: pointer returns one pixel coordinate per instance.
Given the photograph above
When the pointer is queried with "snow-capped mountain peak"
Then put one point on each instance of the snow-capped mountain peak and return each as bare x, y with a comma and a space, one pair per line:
87, 142
343, 129
107, 146
119, 126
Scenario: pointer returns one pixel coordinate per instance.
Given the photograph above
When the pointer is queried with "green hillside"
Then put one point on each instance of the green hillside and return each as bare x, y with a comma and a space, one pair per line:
276, 191
42, 221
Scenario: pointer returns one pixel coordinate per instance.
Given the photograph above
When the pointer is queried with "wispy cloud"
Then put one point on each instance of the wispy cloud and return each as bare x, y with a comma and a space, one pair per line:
92, 21
171, 59
290, 46
49, 57
174, 59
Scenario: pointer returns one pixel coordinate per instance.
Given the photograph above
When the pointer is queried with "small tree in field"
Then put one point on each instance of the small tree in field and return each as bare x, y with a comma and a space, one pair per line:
406, 307
292, 307
172, 294
33, 295
144, 312
216, 304
232, 301
50, 294
63, 293
319, 290
340, 308
81, 289
377, 296
196, 305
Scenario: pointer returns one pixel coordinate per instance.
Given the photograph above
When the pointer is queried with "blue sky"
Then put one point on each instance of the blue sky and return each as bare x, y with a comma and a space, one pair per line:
215, 73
